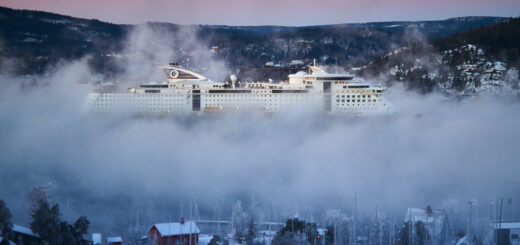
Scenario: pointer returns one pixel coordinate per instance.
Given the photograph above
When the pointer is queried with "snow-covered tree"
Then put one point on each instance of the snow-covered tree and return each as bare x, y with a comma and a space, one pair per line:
239, 221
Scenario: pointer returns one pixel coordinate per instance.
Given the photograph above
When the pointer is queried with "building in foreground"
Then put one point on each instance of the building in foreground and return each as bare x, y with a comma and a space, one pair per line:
435, 222
184, 232
24, 235
507, 233
116, 240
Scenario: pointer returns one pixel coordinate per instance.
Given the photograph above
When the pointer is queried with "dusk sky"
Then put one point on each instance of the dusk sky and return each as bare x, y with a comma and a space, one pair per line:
267, 12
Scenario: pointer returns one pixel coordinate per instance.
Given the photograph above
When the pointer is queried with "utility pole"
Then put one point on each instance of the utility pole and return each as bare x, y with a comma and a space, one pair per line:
355, 217
469, 228
189, 241
218, 217
270, 235
312, 230
500, 217
169, 231
410, 227
335, 231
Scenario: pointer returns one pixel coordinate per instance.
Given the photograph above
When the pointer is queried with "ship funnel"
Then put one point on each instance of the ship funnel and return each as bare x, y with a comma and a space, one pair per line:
233, 80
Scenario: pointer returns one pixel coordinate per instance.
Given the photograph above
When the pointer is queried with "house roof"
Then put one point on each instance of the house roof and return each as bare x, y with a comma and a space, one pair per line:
507, 225
114, 239
24, 230
170, 229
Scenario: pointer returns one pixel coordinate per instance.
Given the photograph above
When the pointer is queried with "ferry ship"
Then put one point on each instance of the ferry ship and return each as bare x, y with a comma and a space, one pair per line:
187, 92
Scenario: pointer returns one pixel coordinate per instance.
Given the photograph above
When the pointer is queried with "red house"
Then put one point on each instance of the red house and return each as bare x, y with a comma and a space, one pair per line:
183, 233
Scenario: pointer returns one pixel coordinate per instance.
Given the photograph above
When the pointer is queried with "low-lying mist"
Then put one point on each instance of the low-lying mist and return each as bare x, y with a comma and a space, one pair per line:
433, 151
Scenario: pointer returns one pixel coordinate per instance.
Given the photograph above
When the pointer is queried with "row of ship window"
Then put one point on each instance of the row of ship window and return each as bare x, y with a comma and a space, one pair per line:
138, 95
139, 105
357, 109
162, 100
217, 95
373, 100
249, 104
252, 100
206, 95
353, 96
145, 109
354, 104
256, 96
211, 100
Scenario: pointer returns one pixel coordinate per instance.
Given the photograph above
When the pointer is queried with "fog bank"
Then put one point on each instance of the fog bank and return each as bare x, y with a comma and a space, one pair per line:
432, 152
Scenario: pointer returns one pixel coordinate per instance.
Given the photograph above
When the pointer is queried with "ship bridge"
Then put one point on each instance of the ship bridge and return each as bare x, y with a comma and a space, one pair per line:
317, 74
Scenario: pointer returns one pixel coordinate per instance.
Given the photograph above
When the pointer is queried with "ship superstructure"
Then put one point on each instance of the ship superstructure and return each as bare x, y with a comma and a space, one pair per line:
189, 92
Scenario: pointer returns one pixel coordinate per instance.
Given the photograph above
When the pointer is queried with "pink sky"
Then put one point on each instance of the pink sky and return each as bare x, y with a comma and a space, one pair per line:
263, 12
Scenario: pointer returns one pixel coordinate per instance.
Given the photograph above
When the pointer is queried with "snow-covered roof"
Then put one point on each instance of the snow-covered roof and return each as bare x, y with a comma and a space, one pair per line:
507, 225
170, 229
114, 239
433, 221
24, 230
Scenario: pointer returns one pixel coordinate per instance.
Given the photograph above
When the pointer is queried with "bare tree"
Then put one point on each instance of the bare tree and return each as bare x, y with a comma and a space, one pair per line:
134, 234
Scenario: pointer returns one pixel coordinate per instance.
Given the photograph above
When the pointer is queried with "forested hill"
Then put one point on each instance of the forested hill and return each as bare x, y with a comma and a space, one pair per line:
500, 41
35, 40
485, 60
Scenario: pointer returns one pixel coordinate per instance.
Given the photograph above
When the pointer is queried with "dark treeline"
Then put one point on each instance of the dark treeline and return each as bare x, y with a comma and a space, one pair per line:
46, 222
31, 42
456, 62
500, 41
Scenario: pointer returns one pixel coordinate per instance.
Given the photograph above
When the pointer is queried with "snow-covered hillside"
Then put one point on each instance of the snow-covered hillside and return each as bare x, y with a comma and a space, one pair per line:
466, 70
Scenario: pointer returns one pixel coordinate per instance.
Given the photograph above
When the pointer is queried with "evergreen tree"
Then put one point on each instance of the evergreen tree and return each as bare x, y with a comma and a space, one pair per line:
250, 233
404, 234
329, 235
47, 224
5, 223
296, 231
